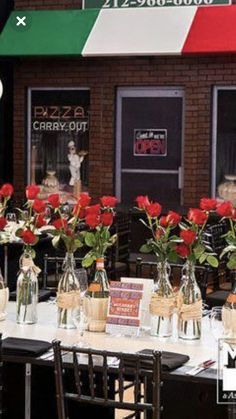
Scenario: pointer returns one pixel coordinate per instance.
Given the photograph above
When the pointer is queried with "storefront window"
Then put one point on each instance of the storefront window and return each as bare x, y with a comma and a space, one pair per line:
224, 137
58, 139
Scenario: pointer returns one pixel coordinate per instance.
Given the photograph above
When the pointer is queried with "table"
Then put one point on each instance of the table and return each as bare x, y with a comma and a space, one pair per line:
46, 329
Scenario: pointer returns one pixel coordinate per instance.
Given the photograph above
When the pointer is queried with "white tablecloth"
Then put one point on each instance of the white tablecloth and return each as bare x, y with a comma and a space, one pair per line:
46, 329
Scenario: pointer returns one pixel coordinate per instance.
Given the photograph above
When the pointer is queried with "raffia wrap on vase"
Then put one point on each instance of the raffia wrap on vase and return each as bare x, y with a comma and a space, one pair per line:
28, 263
68, 300
190, 311
162, 306
4, 297
96, 312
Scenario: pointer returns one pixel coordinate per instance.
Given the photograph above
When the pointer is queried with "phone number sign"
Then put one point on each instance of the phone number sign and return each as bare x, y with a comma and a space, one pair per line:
115, 4
150, 142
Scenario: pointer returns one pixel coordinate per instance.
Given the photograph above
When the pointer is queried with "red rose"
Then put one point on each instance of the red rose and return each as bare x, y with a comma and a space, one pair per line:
60, 223
225, 209
107, 219
28, 237
6, 190
40, 221
163, 221
159, 233
142, 201
197, 216
188, 236
182, 250
32, 191
153, 209
78, 211
69, 232
108, 201
173, 218
94, 209
84, 199
3, 223
54, 200
208, 204
39, 206
92, 220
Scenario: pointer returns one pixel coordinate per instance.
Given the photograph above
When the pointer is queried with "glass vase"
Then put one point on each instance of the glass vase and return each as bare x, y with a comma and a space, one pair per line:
68, 294
189, 304
229, 310
27, 290
96, 299
162, 302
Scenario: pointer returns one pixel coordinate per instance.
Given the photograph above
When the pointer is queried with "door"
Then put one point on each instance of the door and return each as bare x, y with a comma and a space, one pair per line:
149, 145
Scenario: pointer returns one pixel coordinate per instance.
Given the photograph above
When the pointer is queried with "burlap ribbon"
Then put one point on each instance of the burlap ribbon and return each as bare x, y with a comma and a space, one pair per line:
68, 300
190, 311
162, 306
28, 263
96, 312
229, 321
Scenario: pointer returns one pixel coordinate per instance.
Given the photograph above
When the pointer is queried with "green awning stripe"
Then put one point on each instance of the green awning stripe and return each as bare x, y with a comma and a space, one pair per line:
54, 32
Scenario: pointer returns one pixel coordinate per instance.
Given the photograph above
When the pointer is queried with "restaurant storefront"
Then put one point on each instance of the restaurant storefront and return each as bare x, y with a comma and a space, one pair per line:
152, 117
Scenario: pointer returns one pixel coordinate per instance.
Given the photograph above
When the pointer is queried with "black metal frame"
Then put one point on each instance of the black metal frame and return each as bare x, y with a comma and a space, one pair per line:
138, 369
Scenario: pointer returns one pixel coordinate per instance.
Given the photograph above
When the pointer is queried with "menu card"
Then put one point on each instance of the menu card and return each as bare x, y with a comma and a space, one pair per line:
124, 308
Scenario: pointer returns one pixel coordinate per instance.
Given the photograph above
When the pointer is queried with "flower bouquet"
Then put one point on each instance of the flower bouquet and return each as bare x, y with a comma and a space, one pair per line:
99, 219
6, 193
228, 212
32, 220
162, 243
65, 229
192, 249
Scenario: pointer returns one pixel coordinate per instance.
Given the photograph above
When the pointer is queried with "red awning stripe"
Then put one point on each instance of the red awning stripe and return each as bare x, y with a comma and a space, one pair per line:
213, 30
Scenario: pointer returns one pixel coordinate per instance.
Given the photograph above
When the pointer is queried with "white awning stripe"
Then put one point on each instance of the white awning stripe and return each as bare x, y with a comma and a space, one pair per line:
151, 31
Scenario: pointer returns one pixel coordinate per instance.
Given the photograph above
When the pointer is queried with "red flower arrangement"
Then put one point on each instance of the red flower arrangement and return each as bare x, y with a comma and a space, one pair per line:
162, 242
228, 212
190, 243
99, 218
65, 230
33, 218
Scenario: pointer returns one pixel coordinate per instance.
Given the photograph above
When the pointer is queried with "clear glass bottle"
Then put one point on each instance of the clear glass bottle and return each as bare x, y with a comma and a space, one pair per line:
162, 302
27, 290
189, 304
96, 299
4, 296
68, 295
229, 310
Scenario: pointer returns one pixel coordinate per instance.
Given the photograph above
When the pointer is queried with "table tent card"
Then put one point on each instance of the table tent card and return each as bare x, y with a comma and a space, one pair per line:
124, 308
148, 287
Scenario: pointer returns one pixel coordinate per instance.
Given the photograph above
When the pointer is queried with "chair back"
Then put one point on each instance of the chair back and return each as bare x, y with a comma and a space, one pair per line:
143, 371
52, 269
120, 252
148, 269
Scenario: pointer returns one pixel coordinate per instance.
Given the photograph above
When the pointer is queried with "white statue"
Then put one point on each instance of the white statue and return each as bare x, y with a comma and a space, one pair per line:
75, 162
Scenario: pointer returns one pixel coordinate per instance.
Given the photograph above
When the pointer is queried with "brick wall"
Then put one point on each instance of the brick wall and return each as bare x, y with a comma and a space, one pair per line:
196, 75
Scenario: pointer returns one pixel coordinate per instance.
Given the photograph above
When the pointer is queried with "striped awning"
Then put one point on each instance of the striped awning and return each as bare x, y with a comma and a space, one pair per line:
121, 32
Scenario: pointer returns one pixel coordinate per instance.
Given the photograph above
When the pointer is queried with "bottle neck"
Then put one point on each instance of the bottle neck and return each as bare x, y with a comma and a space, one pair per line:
99, 264
69, 261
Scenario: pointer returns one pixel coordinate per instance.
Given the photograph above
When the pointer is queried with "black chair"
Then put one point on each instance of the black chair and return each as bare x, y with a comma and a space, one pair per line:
119, 258
141, 370
52, 269
219, 277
